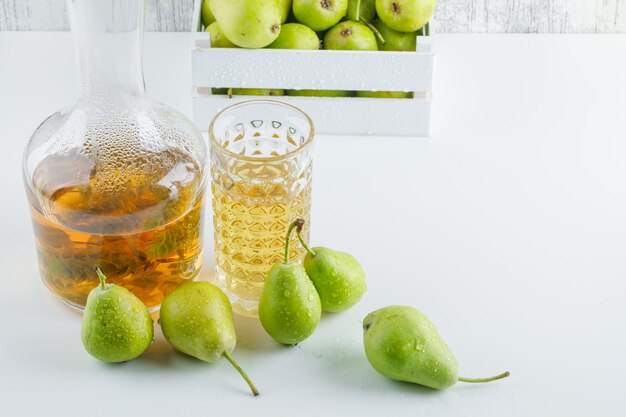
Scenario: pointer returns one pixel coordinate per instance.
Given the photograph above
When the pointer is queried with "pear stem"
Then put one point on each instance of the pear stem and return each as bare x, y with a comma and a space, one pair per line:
296, 223
481, 380
243, 374
101, 276
376, 32
303, 243
358, 10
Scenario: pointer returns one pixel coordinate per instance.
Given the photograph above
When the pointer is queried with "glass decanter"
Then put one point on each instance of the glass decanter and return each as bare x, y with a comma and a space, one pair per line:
117, 180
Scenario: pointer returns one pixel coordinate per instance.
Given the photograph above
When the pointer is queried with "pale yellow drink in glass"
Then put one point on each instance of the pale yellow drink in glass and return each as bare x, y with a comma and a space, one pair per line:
261, 157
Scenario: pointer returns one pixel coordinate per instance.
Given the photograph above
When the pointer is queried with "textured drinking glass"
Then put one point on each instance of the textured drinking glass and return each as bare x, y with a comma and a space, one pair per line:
261, 158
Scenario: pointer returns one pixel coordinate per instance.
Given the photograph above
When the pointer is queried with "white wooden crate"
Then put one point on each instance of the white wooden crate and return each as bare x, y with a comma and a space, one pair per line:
319, 70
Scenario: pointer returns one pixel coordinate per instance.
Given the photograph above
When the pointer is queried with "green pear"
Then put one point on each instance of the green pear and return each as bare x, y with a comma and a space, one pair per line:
197, 319
384, 94
207, 14
319, 14
218, 40
289, 308
405, 15
296, 36
361, 9
350, 35
320, 93
116, 326
284, 7
257, 92
337, 276
394, 40
402, 344
248, 23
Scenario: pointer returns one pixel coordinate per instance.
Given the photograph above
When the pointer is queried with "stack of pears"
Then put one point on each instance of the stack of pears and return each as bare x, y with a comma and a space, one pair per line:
362, 25
402, 344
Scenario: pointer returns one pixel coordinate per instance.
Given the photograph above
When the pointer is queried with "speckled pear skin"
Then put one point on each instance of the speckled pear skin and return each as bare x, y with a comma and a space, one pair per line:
296, 36
116, 326
349, 35
289, 308
218, 39
319, 15
206, 13
285, 8
197, 319
405, 15
338, 278
394, 40
248, 23
402, 344
367, 10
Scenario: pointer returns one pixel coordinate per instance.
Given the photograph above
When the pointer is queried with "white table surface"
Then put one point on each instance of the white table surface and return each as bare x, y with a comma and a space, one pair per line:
507, 227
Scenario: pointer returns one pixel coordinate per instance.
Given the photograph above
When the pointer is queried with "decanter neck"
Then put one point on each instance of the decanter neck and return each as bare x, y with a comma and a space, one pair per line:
108, 35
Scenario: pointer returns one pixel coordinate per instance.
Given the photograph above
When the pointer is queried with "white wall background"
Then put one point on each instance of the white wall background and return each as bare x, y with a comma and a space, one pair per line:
560, 16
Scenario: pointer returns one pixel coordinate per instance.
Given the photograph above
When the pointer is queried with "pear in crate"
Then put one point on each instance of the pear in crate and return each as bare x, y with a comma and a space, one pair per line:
284, 7
218, 40
248, 23
350, 35
405, 15
116, 326
402, 344
257, 92
320, 93
296, 36
319, 14
361, 9
384, 94
337, 276
394, 40
207, 14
